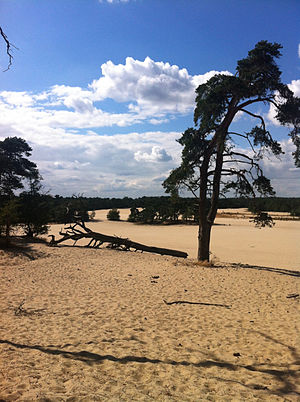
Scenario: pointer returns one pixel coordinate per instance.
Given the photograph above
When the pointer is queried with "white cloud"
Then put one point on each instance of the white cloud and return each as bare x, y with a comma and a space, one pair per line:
151, 92
157, 154
285, 178
156, 88
271, 116
58, 123
73, 98
17, 98
295, 87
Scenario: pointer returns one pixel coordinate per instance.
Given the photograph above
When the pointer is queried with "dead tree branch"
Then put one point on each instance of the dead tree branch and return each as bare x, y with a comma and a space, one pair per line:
9, 47
80, 231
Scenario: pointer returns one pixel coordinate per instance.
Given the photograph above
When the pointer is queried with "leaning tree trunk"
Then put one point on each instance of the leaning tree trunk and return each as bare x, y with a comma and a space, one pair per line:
206, 219
204, 226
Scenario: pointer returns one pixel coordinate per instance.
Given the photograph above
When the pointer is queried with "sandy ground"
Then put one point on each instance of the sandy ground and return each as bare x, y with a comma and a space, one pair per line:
233, 240
93, 325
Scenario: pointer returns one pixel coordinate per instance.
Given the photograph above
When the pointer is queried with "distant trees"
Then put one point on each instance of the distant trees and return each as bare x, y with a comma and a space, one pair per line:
34, 213
211, 164
164, 210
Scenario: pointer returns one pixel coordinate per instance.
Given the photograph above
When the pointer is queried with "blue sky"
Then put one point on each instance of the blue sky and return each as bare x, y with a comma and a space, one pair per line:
102, 89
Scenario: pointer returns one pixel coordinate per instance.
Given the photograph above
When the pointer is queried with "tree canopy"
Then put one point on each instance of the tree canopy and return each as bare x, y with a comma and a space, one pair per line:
15, 165
211, 163
15, 170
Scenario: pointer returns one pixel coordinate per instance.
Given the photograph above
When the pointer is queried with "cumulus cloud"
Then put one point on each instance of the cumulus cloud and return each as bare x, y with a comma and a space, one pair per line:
150, 92
157, 154
61, 124
100, 165
155, 87
293, 86
17, 98
73, 98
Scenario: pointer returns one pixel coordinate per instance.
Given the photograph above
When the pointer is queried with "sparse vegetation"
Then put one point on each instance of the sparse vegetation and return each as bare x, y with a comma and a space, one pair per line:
113, 215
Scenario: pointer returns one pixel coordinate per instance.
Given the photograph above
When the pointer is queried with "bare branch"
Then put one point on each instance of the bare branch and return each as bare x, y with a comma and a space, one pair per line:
239, 154
249, 102
190, 189
239, 134
243, 136
255, 115
9, 47
241, 174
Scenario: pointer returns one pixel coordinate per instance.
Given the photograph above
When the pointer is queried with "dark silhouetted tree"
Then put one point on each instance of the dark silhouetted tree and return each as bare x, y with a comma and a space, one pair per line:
113, 215
15, 169
34, 213
211, 163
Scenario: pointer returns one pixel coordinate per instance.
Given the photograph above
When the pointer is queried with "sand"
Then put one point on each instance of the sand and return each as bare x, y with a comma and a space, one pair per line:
233, 240
92, 325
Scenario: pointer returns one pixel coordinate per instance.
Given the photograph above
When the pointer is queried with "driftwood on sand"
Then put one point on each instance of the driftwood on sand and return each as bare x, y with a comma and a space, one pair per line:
79, 231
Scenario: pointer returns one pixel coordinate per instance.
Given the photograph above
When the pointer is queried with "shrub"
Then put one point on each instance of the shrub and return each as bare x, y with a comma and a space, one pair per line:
113, 215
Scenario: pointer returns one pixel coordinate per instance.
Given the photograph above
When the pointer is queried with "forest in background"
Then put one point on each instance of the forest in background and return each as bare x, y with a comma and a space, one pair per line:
33, 212
160, 209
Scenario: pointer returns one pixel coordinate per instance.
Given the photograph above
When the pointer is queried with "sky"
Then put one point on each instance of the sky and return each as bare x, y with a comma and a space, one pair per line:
101, 89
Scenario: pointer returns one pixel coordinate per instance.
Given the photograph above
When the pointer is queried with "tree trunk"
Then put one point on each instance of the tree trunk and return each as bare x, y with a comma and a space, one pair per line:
203, 241
206, 218
7, 232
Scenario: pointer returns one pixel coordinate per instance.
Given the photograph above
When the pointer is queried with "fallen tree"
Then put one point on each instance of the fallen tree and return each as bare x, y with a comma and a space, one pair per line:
79, 231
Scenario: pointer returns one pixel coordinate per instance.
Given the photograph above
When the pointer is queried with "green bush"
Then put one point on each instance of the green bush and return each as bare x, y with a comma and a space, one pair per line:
113, 215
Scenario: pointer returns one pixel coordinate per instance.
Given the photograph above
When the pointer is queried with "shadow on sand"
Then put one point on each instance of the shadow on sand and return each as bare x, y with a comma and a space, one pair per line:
23, 246
280, 271
282, 373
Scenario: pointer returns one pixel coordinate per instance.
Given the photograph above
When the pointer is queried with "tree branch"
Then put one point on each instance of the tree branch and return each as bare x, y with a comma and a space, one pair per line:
249, 102
255, 115
239, 134
9, 46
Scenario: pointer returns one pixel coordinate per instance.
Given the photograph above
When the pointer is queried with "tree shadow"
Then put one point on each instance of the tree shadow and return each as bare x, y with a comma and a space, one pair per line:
23, 247
280, 271
282, 373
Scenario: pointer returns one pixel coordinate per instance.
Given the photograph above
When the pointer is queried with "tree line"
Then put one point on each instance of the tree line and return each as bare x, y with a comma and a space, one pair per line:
23, 204
167, 208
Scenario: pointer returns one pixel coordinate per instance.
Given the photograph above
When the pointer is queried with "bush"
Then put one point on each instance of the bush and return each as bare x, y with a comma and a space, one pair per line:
33, 214
296, 212
134, 215
113, 215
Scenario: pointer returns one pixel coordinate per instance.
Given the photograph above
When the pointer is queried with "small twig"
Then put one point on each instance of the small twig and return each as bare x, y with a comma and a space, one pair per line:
22, 311
292, 295
202, 304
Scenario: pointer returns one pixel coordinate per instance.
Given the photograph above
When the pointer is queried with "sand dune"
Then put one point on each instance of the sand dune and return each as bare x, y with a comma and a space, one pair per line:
233, 240
92, 325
